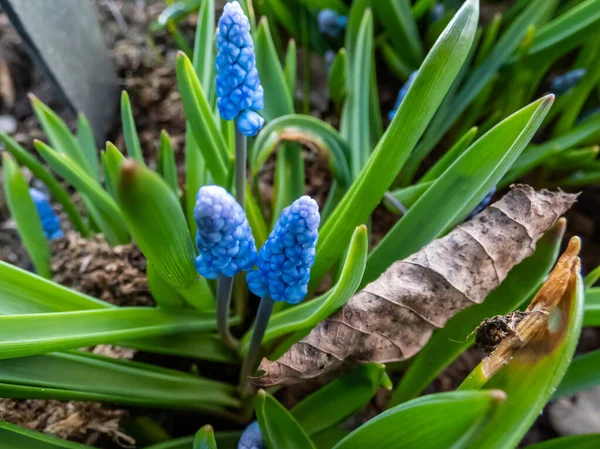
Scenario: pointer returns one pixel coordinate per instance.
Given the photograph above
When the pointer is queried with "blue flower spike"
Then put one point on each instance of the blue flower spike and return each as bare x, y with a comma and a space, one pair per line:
284, 264
285, 260
226, 246
239, 92
252, 438
49, 219
563, 83
331, 23
402, 93
224, 237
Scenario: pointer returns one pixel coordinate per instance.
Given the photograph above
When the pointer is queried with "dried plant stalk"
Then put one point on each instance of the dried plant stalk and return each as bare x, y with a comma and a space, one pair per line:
393, 317
531, 337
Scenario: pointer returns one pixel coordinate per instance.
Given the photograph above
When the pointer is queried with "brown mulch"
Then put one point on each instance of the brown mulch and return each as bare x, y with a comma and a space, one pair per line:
85, 422
114, 274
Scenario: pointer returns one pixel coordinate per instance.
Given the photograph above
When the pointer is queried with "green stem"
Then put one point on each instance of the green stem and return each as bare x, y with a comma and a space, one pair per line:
240, 167
260, 326
224, 287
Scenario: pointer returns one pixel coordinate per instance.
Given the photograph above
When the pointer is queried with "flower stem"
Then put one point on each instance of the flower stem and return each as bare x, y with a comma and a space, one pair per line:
260, 326
240, 167
224, 287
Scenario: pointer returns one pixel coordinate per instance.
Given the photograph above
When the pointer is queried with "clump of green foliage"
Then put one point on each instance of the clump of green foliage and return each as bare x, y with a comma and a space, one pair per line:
474, 94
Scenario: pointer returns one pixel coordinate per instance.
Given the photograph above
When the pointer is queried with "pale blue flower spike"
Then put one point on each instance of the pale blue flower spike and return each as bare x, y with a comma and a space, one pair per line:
224, 237
239, 92
49, 219
285, 260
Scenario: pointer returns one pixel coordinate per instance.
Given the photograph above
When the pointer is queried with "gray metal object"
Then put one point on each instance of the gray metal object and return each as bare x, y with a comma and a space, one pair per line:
65, 40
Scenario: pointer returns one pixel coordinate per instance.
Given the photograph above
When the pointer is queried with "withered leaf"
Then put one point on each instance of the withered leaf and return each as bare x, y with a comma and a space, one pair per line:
533, 335
393, 317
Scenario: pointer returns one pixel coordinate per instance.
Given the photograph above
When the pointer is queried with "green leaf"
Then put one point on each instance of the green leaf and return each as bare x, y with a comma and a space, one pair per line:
450, 156
278, 427
591, 278
394, 62
307, 315
112, 159
530, 379
355, 116
583, 373
196, 172
278, 100
99, 198
132, 141
58, 192
60, 137
87, 142
399, 24
435, 421
427, 92
289, 69
165, 295
587, 130
581, 92
566, 31
455, 337
339, 399
82, 376
225, 440
469, 179
289, 167
592, 307
17, 437
336, 79
573, 159
23, 210
23, 335
205, 438
406, 196
590, 441
165, 165
22, 292
201, 120
154, 216
303, 128
478, 79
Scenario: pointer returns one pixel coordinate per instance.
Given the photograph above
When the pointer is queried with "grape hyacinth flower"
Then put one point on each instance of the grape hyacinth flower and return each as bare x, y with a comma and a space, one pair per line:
402, 93
284, 264
239, 92
49, 219
285, 260
252, 438
483, 204
331, 23
225, 244
563, 83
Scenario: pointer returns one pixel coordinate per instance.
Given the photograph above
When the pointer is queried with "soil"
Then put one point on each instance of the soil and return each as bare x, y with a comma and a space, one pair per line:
146, 65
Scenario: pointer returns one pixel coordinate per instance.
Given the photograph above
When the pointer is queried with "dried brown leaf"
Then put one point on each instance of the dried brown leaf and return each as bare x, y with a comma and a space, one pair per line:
393, 317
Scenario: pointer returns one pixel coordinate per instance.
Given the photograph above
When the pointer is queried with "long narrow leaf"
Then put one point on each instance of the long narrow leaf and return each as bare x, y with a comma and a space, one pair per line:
100, 199
23, 335
58, 192
23, 210
78, 375
469, 179
427, 92
154, 216
132, 141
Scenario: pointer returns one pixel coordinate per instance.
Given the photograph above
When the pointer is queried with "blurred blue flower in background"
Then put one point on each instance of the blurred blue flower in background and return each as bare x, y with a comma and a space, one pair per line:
331, 23
252, 438
49, 219
285, 260
563, 83
402, 93
224, 237
239, 92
